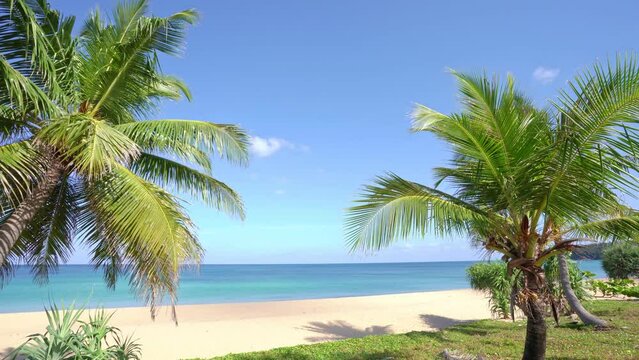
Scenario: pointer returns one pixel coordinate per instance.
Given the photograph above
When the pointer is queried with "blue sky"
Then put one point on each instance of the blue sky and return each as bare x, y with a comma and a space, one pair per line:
325, 87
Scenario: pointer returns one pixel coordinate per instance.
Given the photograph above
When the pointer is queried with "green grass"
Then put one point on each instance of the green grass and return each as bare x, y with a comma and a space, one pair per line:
493, 339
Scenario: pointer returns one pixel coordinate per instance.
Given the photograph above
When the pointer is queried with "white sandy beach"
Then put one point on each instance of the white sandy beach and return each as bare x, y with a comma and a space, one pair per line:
218, 329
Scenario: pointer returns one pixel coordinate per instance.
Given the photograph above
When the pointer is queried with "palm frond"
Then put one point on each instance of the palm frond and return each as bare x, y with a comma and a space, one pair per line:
394, 208
598, 129
48, 239
117, 83
20, 93
170, 87
622, 226
20, 166
178, 177
23, 42
474, 145
154, 236
171, 135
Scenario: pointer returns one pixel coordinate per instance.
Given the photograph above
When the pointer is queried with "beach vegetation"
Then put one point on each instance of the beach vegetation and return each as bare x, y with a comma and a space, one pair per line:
493, 279
615, 287
621, 261
82, 160
69, 337
524, 182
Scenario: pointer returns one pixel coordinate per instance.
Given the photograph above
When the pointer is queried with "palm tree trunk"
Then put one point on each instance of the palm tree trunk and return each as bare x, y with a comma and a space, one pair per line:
535, 348
11, 229
573, 301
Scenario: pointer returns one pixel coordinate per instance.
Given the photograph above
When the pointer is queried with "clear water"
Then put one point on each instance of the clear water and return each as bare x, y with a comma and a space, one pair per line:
245, 283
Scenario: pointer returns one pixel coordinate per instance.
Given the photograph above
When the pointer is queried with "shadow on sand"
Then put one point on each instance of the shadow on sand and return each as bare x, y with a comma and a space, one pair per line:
339, 329
4, 353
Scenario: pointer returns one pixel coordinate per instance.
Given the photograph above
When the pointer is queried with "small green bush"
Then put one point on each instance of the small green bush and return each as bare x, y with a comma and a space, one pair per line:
621, 261
631, 292
69, 338
492, 278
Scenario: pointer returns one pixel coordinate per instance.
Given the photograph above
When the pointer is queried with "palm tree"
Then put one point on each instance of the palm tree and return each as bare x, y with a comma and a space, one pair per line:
80, 161
525, 183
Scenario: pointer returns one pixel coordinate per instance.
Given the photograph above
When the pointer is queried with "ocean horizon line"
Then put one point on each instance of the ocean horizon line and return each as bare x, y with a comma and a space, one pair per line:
314, 263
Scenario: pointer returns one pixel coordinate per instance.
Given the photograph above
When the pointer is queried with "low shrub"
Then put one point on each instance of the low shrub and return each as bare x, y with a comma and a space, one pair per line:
615, 287
492, 278
69, 338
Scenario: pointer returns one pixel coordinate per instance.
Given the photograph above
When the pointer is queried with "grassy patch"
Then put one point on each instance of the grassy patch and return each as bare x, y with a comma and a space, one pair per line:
493, 339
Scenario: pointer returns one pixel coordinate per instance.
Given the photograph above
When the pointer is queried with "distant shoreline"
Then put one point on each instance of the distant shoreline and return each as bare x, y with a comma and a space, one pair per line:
117, 308
227, 284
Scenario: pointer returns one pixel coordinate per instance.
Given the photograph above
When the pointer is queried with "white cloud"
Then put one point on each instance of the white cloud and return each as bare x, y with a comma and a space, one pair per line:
265, 147
280, 192
545, 75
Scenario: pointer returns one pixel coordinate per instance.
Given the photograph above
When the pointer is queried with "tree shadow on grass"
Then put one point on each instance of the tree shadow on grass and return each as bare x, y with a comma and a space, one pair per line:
466, 327
437, 322
339, 330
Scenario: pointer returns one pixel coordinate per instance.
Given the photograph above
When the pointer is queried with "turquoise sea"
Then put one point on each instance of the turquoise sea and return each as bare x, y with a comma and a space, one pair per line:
245, 283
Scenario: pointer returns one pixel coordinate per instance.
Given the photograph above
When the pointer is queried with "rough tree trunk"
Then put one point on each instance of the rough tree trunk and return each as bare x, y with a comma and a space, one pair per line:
571, 298
534, 308
11, 229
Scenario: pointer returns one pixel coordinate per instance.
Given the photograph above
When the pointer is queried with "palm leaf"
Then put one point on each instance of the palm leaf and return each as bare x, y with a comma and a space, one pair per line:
170, 136
48, 239
623, 226
175, 176
154, 236
20, 93
394, 208
20, 166
117, 83
23, 42
601, 104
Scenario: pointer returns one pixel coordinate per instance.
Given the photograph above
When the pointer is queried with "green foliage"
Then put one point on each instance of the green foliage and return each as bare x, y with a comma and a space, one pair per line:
631, 292
80, 99
493, 339
615, 287
621, 261
493, 278
70, 338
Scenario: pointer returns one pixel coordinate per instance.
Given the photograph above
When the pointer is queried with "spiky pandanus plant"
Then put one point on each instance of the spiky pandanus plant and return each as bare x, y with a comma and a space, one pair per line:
81, 163
526, 183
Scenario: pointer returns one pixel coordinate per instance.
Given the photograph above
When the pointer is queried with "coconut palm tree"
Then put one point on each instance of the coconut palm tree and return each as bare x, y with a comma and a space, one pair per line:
80, 161
523, 182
